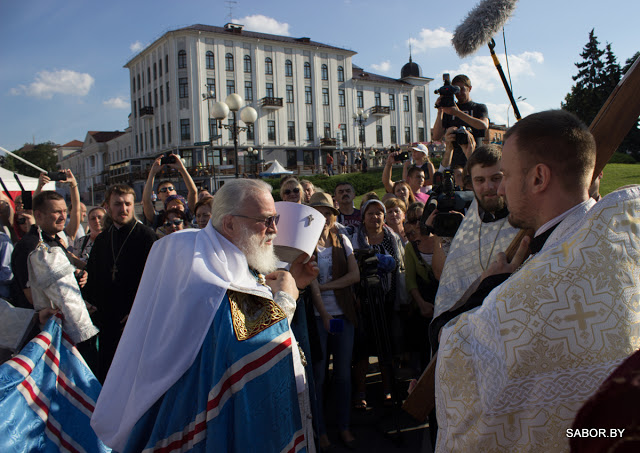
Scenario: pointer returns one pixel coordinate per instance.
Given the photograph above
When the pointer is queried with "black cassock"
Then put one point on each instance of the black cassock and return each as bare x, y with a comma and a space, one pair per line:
112, 287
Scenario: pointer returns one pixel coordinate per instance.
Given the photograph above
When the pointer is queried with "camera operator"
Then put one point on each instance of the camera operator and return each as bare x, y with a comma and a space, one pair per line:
166, 188
375, 236
463, 113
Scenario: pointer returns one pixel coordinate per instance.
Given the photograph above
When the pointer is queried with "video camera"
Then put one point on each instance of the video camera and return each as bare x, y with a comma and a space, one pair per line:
461, 135
449, 201
446, 92
371, 264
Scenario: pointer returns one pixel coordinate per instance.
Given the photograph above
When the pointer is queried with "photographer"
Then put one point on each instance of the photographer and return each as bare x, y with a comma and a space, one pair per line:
463, 113
166, 188
375, 236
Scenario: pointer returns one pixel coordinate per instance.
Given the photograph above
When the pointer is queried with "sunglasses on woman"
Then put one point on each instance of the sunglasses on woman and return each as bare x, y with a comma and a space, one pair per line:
175, 222
289, 191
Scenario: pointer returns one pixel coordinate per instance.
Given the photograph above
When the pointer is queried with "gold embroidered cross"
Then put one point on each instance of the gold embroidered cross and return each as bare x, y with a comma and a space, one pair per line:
580, 316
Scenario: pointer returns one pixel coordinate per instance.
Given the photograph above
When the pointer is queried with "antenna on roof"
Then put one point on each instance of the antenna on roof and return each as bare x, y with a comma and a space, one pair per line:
230, 4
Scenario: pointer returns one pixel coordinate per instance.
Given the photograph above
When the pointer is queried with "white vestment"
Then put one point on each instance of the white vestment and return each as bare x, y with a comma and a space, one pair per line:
474, 247
512, 374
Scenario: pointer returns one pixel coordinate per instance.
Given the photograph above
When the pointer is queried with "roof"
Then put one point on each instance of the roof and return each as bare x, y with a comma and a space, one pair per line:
104, 136
360, 74
237, 31
73, 144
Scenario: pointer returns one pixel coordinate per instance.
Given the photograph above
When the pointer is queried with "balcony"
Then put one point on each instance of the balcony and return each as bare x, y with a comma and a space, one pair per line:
328, 142
271, 103
146, 112
379, 110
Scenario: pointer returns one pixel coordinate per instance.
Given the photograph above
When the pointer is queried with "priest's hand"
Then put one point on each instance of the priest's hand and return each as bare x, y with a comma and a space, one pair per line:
502, 266
282, 281
304, 273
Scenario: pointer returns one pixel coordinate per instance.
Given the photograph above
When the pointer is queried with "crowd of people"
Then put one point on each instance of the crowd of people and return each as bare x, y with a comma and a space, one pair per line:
205, 339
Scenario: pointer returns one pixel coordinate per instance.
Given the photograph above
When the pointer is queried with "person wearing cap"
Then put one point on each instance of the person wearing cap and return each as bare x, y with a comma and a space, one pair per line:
335, 316
420, 157
374, 235
415, 179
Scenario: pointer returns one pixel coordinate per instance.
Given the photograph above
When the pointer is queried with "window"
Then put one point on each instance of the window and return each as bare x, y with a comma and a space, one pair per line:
325, 96
324, 71
231, 87
155, 71
420, 104
183, 91
405, 103
360, 98
164, 141
289, 94
185, 129
392, 102
133, 85
161, 95
149, 75
379, 134
327, 130
291, 131
149, 95
271, 130
211, 87
166, 63
421, 137
377, 99
407, 135
160, 66
341, 98
213, 127
268, 66
167, 91
250, 132
288, 68
394, 137
269, 90
155, 97
182, 59
228, 62
137, 148
340, 74
247, 64
248, 90
307, 95
307, 70
169, 132
138, 82
343, 132
210, 60
310, 131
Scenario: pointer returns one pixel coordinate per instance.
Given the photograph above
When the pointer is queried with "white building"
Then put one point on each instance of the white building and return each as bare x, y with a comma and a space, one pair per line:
305, 93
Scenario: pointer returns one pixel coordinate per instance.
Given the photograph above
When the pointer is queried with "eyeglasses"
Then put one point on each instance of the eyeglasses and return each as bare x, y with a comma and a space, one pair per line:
167, 189
175, 222
269, 222
289, 191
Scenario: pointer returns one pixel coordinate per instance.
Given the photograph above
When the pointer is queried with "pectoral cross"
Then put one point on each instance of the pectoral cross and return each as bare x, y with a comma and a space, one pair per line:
113, 273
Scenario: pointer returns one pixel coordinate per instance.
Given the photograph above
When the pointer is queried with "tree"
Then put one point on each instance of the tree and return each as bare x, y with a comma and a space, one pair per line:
43, 155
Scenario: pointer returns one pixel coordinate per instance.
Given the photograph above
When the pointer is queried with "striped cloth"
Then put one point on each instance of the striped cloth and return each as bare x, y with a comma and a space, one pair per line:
47, 396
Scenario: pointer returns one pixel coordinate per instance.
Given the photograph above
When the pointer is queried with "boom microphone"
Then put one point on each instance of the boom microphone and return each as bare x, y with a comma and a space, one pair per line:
481, 24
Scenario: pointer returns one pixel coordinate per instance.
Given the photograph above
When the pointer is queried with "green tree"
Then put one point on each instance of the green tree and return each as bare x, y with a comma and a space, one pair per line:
43, 155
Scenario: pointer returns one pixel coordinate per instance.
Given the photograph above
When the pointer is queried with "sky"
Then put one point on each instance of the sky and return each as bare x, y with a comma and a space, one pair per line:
62, 61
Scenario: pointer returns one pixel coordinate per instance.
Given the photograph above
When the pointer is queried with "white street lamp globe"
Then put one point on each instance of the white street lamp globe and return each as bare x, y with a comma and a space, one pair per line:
355, 116
219, 110
235, 102
249, 115
365, 116
360, 112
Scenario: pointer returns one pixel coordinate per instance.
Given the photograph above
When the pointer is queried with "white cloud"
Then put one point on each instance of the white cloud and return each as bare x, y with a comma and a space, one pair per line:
430, 39
119, 102
385, 66
264, 24
63, 81
136, 47
498, 112
485, 77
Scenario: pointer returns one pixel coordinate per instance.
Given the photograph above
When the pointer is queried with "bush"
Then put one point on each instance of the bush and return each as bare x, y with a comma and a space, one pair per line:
621, 158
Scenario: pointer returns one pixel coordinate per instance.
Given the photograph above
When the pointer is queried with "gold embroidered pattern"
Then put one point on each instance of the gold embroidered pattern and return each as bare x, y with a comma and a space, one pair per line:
252, 314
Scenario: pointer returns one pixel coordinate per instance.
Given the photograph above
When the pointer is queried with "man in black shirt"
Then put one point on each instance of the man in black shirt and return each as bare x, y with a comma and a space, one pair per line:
115, 264
463, 113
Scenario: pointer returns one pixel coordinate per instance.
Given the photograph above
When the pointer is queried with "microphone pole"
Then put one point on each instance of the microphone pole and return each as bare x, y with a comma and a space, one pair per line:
496, 62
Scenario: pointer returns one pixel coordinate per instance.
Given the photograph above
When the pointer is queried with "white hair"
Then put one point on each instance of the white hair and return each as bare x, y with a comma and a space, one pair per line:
232, 195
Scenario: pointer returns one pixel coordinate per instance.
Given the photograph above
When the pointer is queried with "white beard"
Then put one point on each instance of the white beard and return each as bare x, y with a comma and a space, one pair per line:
259, 255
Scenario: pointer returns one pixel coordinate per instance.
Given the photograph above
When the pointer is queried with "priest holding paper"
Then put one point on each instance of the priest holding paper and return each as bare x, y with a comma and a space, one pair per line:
512, 374
207, 360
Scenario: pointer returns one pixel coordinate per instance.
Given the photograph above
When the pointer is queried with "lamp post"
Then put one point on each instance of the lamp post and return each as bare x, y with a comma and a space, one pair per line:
253, 158
248, 115
519, 98
206, 97
360, 118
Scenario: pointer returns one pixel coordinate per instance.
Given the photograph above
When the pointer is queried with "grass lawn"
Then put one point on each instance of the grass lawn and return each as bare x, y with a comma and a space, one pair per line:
618, 175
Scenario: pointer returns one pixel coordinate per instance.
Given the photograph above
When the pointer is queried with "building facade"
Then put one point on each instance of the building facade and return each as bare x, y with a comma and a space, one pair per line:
306, 94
